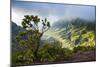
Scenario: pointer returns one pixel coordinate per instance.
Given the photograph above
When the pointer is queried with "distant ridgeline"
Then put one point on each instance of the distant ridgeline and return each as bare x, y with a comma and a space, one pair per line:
73, 33
69, 33
15, 29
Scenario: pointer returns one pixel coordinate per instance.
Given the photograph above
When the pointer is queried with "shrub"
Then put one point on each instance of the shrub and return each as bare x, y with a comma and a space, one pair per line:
83, 48
23, 57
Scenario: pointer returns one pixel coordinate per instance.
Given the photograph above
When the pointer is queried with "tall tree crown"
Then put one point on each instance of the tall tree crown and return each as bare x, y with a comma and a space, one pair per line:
31, 22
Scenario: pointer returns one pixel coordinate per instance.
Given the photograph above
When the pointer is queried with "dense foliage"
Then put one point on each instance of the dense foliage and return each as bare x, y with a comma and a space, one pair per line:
59, 43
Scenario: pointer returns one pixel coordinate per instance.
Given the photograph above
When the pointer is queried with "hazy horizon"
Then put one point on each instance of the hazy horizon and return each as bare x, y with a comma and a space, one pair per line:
53, 12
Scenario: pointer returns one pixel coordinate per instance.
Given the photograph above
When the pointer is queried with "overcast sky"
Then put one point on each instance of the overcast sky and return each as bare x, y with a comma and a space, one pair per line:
53, 12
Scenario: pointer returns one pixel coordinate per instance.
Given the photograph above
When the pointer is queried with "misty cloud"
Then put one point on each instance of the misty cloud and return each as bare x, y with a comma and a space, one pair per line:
50, 10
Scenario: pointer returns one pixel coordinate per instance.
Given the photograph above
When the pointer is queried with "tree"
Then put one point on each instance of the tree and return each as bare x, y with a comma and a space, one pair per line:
32, 36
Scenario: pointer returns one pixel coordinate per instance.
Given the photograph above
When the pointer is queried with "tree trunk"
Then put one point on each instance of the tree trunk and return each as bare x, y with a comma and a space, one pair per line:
37, 47
36, 51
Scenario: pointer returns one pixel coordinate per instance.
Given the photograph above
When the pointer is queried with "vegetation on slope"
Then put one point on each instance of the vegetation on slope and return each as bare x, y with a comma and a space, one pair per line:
61, 43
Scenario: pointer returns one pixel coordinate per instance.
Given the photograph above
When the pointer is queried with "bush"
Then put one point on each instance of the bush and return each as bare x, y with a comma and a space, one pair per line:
84, 48
23, 57
54, 52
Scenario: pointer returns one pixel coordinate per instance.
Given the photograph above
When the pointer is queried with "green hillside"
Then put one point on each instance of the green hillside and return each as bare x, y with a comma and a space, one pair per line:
77, 32
65, 41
